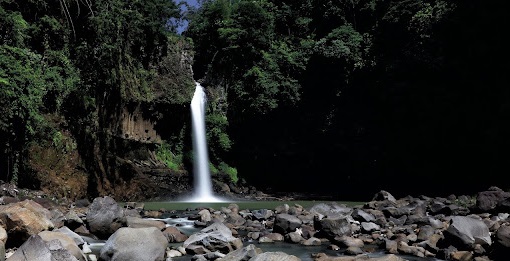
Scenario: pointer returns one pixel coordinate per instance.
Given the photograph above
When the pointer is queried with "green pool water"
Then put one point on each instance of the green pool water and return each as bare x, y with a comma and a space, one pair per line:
178, 205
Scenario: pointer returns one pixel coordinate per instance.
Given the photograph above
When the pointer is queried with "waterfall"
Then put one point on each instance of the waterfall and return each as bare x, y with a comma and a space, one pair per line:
203, 191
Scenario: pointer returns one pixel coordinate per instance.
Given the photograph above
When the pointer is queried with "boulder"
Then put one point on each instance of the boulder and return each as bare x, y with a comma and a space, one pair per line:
103, 216
285, 223
331, 228
275, 256
216, 237
489, 200
141, 244
36, 249
66, 241
466, 231
246, 253
24, 219
330, 210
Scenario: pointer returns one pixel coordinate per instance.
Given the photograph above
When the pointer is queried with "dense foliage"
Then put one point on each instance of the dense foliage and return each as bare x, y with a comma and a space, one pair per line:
81, 61
342, 96
352, 96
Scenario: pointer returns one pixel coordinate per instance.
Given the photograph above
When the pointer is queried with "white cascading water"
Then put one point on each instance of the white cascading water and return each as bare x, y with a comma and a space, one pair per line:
203, 191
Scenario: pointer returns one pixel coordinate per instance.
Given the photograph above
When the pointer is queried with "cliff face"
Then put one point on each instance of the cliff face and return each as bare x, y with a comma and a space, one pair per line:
134, 126
128, 166
116, 149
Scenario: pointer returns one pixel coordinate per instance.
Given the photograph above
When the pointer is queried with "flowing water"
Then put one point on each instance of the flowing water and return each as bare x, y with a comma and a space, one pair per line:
203, 191
203, 197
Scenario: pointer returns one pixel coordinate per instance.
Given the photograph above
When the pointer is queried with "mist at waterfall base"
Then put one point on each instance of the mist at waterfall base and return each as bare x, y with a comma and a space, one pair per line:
203, 189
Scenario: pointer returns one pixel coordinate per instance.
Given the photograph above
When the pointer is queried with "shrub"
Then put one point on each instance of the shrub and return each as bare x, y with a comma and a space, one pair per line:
230, 171
165, 155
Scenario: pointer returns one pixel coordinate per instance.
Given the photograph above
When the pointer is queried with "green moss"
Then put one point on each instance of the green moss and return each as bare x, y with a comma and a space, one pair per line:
165, 155
230, 171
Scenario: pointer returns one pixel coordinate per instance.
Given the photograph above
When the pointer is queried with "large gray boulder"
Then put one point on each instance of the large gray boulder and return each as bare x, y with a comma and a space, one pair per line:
333, 227
245, 253
275, 256
216, 237
285, 223
141, 244
36, 249
66, 241
24, 219
104, 216
467, 231
330, 210
489, 200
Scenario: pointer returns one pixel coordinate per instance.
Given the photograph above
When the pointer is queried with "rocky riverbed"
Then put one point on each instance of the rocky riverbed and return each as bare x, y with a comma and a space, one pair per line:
35, 228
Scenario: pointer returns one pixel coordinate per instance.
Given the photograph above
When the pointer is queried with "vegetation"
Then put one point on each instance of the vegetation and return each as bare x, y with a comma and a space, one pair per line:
358, 92
364, 91
165, 155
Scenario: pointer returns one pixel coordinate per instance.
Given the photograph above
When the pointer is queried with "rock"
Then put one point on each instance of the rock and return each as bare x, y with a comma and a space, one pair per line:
3, 235
285, 223
103, 216
330, 210
362, 216
173, 253
370, 226
275, 256
205, 215
331, 228
294, 237
141, 244
425, 232
489, 200
216, 237
313, 241
24, 219
275, 236
348, 241
68, 232
467, 231
136, 222
174, 235
384, 195
66, 241
235, 219
262, 214
245, 253
82, 203
36, 249
353, 251
502, 243
503, 236
72, 220
2, 251
461, 256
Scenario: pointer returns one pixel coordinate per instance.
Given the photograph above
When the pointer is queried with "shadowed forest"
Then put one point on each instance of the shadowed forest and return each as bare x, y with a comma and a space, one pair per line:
339, 98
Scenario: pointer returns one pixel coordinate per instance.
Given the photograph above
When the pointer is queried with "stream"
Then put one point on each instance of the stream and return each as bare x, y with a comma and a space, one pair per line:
178, 217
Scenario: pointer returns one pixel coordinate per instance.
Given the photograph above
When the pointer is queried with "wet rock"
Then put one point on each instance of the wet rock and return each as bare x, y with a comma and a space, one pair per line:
141, 244
362, 216
330, 210
275, 256
36, 249
103, 216
331, 228
24, 219
245, 253
216, 237
465, 231
285, 223
66, 241
174, 235
136, 222
489, 200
